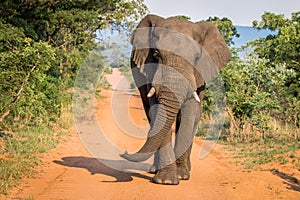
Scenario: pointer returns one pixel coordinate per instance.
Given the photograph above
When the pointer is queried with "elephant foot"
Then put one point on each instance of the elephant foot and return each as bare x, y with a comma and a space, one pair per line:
183, 172
167, 175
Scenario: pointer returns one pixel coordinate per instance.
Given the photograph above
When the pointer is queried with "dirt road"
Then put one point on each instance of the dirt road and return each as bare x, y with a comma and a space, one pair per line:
71, 172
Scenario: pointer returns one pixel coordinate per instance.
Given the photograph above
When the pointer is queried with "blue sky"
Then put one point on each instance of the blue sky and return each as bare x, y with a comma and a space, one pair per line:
241, 12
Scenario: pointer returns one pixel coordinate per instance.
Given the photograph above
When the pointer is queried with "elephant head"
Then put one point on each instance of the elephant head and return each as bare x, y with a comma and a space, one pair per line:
185, 56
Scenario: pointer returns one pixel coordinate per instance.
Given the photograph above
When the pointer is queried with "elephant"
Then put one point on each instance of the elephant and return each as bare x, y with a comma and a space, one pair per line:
172, 60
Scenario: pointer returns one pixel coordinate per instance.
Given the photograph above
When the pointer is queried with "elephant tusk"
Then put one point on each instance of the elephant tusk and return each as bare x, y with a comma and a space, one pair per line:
196, 97
151, 92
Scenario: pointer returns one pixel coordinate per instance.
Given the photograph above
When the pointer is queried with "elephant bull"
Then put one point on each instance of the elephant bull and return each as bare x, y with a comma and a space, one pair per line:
172, 60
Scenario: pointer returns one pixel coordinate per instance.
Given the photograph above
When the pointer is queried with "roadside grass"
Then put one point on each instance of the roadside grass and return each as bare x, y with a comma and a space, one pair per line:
268, 153
20, 151
250, 151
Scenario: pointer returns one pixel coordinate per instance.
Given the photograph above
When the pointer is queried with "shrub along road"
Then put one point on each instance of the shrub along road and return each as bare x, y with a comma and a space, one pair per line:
71, 172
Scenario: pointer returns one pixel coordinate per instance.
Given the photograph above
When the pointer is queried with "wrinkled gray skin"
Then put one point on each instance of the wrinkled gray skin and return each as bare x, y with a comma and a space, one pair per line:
175, 57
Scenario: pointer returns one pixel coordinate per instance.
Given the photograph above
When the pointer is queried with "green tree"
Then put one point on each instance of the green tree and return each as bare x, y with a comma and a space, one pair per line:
282, 47
69, 26
26, 91
42, 45
265, 85
253, 93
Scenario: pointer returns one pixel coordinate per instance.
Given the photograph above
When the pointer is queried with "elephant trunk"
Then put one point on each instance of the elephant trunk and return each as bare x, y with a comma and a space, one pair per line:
165, 115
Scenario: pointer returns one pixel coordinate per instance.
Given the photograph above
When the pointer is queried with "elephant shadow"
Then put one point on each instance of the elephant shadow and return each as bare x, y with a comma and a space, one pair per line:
291, 182
101, 166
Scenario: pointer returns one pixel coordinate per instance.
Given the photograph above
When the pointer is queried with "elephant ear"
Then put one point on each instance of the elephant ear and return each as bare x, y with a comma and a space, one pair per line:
214, 50
141, 41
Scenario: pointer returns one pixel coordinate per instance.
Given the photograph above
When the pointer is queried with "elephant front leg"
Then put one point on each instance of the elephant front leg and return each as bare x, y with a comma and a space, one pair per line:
186, 129
167, 173
157, 161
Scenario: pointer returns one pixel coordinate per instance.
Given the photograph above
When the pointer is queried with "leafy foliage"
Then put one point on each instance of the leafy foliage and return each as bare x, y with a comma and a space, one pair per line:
282, 48
28, 92
254, 94
261, 89
43, 44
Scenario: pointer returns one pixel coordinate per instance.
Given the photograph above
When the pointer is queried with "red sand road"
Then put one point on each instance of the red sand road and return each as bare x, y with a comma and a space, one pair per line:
71, 172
